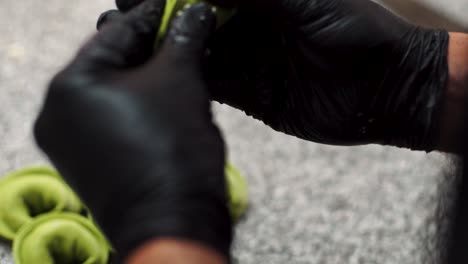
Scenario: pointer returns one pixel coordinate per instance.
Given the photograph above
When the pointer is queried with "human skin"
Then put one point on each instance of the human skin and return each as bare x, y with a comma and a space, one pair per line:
173, 251
454, 109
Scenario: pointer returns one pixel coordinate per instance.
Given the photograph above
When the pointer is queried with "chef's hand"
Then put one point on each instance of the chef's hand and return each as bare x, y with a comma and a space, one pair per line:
133, 133
342, 72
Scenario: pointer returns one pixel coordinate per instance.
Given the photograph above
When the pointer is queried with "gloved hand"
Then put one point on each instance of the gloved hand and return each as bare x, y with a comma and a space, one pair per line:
342, 72
134, 135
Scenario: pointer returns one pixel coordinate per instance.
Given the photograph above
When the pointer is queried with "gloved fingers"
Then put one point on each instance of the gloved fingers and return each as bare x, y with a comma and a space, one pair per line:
224, 3
125, 5
126, 42
262, 7
188, 35
108, 17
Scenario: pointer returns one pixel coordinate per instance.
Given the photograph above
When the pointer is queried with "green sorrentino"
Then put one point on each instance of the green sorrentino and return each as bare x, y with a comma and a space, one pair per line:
173, 6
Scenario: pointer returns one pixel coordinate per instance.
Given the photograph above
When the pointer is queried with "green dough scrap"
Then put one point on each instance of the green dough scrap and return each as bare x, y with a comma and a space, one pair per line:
57, 238
171, 8
30, 192
238, 192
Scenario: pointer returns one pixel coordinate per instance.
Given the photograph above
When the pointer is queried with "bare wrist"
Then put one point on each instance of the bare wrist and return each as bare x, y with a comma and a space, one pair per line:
458, 66
174, 251
452, 118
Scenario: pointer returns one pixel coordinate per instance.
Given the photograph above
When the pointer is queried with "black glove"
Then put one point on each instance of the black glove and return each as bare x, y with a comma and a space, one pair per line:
341, 72
136, 138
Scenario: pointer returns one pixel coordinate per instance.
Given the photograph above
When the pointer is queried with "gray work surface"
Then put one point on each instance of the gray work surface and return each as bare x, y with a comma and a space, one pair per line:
309, 203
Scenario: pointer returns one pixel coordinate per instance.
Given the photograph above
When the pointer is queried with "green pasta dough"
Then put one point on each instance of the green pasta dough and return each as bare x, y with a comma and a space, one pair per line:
48, 223
31, 192
173, 6
238, 192
60, 238
237, 186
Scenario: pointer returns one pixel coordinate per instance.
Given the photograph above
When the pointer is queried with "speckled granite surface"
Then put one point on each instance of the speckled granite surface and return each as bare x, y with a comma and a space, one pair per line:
310, 203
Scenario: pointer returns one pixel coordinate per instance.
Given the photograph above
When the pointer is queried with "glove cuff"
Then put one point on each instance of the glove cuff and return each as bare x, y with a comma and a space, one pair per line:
410, 97
202, 220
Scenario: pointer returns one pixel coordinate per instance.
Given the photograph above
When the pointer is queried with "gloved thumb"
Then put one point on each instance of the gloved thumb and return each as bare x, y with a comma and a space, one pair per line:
188, 34
125, 42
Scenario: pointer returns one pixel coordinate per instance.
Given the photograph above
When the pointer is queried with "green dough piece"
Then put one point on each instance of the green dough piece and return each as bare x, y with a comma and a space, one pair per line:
30, 192
35, 191
238, 192
60, 238
171, 8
